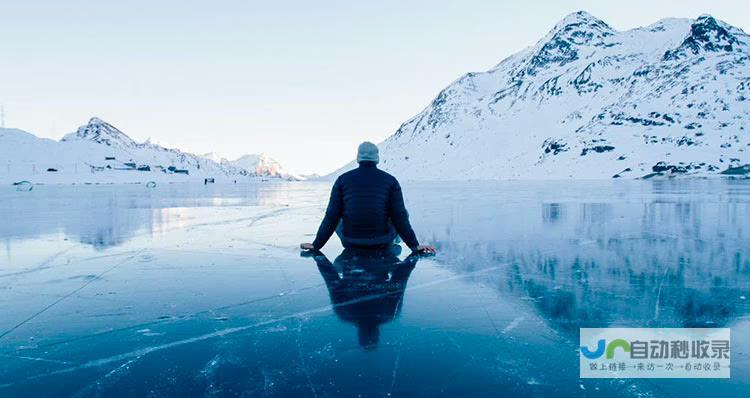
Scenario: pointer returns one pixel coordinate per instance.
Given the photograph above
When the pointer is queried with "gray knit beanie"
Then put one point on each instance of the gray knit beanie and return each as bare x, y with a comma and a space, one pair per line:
367, 152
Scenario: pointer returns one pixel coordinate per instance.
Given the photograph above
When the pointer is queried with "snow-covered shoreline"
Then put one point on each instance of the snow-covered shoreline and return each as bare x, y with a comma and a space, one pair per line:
100, 153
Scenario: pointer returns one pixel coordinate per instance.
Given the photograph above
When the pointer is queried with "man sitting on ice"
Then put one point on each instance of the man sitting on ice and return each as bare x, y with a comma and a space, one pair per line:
367, 209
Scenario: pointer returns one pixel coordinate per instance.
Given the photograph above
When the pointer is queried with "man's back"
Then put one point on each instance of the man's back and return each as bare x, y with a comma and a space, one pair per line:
370, 204
366, 192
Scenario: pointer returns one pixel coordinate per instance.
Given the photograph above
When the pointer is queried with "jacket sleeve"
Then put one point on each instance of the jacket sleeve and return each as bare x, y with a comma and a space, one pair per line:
400, 217
332, 217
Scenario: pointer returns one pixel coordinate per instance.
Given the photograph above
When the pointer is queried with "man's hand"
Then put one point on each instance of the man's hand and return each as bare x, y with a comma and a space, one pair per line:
425, 249
306, 246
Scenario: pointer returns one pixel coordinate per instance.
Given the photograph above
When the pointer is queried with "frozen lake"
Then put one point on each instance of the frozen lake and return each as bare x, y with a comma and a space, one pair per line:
198, 290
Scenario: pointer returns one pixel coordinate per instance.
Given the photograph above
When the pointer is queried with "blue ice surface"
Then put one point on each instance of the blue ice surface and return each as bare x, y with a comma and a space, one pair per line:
187, 290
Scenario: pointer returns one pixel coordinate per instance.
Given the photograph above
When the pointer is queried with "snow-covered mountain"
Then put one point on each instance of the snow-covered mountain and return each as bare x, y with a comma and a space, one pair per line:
261, 165
99, 152
588, 101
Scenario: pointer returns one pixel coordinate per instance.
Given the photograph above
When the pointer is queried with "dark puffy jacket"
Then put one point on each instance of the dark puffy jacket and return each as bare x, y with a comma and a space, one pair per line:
368, 201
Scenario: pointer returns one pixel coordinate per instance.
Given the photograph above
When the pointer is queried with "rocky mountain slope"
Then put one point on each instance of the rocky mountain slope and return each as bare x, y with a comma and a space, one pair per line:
588, 101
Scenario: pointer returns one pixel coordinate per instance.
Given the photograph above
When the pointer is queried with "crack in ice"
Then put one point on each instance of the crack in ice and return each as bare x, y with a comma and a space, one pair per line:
54, 303
232, 330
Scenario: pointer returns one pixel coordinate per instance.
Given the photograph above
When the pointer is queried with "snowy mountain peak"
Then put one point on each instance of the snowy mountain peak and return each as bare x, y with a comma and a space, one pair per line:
561, 45
706, 35
99, 131
582, 20
261, 164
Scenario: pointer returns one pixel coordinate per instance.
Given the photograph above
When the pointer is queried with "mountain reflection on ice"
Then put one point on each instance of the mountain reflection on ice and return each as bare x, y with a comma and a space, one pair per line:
199, 290
108, 215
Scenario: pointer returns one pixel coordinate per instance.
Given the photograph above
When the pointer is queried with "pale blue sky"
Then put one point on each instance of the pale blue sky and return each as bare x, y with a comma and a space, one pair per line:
304, 81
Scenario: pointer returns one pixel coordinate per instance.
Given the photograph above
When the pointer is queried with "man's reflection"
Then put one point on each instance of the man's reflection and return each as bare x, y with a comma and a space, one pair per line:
366, 287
